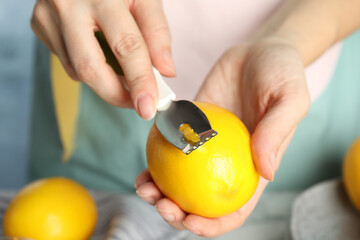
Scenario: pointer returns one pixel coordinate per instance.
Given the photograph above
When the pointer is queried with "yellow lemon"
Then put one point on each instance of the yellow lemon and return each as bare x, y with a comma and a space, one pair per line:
51, 209
351, 173
214, 180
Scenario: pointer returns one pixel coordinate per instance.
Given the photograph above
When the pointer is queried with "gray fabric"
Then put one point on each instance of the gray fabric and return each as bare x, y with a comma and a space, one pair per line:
121, 217
325, 212
269, 220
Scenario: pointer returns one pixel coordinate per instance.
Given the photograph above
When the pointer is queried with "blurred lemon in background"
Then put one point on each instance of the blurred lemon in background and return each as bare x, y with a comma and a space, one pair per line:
351, 173
51, 209
214, 180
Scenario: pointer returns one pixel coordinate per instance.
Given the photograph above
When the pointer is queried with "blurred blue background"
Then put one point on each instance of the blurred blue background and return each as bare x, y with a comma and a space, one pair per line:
16, 53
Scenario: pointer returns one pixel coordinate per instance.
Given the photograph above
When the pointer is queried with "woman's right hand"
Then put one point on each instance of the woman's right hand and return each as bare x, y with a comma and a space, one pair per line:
137, 33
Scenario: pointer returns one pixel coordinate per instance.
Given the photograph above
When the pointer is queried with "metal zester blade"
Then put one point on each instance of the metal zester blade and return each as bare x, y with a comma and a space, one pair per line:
180, 112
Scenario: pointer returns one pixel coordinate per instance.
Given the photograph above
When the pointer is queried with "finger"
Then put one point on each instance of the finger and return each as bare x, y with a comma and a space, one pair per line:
89, 61
43, 38
213, 227
45, 27
273, 129
151, 20
149, 192
142, 178
171, 213
130, 49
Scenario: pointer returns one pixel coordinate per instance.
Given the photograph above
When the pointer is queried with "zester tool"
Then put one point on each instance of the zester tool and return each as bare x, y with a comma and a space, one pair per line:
181, 122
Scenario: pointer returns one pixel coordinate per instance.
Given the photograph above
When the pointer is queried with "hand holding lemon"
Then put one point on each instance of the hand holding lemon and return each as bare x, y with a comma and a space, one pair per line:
268, 92
210, 184
214, 180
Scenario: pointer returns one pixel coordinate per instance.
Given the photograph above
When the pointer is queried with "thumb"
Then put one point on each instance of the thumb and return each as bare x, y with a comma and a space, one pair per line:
275, 130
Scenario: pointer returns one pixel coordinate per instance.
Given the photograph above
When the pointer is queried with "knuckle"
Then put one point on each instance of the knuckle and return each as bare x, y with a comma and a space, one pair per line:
229, 58
59, 6
138, 80
130, 3
56, 4
114, 98
160, 30
98, 2
33, 23
85, 72
69, 69
38, 15
127, 45
299, 100
67, 64
211, 233
117, 99
217, 229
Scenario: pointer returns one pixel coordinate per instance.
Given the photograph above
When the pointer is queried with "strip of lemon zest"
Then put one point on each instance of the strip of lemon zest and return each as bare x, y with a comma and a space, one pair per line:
189, 134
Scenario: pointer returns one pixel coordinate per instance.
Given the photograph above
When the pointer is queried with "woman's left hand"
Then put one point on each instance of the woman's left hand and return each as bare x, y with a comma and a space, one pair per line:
178, 219
264, 85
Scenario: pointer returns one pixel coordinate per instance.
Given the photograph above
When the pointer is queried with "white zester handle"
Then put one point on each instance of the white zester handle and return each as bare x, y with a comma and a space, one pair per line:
166, 95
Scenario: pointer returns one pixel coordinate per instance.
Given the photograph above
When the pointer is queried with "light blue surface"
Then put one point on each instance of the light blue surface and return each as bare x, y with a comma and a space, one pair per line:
16, 54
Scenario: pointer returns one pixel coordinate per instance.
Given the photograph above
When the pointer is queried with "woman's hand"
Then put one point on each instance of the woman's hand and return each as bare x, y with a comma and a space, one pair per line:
136, 31
265, 86
178, 219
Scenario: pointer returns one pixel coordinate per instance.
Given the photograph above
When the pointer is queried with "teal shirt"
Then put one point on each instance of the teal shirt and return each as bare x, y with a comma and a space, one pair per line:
110, 142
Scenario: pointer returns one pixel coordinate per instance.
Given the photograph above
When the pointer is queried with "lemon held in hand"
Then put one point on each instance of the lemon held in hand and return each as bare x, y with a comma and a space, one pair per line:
351, 173
51, 209
214, 180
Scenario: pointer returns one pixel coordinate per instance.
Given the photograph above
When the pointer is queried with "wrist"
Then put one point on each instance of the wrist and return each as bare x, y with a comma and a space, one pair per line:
279, 41
290, 40
309, 47
305, 26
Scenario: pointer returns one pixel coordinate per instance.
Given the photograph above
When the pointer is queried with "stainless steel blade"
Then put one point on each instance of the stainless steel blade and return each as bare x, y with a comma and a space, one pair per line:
178, 113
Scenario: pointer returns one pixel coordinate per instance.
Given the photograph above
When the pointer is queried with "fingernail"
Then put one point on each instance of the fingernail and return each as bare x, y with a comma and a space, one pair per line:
167, 215
192, 229
169, 62
146, 198
146, 106
137, 193
272, 163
